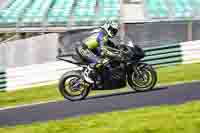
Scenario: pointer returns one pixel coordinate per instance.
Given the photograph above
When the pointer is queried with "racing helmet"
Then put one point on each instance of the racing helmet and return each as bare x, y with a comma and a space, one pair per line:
111, 28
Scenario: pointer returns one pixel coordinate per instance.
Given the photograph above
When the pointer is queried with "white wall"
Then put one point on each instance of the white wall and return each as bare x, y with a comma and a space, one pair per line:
24, 77
35, 50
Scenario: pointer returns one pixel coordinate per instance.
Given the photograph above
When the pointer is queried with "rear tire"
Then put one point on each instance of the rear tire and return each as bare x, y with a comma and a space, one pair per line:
76, 78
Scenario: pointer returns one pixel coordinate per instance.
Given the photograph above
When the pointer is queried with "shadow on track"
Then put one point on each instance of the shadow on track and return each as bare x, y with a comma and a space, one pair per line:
122, 93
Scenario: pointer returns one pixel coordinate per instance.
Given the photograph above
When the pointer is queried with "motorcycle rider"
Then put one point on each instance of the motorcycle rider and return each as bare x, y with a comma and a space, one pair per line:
93, 51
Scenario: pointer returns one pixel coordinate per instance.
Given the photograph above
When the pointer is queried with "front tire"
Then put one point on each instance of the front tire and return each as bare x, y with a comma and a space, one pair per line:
73, 87
144, 79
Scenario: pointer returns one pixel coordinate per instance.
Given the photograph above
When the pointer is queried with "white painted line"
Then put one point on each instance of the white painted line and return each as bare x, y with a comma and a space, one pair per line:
27, 105
53, 101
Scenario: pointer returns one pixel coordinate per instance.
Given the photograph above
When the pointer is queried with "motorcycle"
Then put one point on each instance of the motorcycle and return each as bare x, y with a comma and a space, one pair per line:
126, 70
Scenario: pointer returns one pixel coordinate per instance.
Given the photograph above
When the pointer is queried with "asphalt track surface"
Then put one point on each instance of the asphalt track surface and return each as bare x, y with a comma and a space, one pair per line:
175, 94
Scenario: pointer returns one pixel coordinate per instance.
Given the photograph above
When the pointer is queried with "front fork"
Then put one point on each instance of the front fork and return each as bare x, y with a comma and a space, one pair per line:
136, 70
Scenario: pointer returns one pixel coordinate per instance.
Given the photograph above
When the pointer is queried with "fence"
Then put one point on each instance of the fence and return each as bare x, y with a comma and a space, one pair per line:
159, 56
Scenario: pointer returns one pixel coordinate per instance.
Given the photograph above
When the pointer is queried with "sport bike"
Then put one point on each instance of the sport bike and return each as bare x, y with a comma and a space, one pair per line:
119, 72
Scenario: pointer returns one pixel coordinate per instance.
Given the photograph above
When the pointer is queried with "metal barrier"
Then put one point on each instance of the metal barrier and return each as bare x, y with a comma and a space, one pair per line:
161, 56
3, 80
185, 52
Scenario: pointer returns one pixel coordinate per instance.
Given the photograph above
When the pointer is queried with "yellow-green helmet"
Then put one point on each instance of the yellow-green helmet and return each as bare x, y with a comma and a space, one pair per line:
111, 28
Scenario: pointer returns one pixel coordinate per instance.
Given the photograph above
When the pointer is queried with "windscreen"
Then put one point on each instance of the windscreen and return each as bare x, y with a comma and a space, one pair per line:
125, 40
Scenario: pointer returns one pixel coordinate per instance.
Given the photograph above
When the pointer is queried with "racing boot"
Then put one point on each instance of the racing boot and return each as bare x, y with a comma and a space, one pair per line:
89, 74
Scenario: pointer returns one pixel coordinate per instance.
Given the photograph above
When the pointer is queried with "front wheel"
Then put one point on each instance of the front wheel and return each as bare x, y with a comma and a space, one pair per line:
143, 77
73, 87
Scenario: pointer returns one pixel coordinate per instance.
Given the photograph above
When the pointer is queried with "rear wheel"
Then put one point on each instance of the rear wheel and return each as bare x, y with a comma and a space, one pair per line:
143, 78
73, 87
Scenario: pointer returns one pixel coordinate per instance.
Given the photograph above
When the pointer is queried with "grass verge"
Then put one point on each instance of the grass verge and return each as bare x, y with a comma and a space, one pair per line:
37, 94
183, 118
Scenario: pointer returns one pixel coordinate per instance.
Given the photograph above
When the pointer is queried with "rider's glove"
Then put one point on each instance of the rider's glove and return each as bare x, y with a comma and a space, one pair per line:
101, 64
112, 44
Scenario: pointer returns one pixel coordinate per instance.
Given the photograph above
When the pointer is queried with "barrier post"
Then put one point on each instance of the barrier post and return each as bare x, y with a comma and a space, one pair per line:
2, 79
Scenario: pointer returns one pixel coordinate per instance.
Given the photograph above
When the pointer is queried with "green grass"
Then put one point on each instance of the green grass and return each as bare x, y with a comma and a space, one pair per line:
179, 73
46, 93
183, 118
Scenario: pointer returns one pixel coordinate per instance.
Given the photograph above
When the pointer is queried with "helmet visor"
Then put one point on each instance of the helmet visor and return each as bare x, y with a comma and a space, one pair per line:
113, 31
